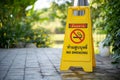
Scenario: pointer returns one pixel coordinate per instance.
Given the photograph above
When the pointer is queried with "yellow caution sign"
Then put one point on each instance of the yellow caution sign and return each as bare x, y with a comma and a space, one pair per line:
78, 43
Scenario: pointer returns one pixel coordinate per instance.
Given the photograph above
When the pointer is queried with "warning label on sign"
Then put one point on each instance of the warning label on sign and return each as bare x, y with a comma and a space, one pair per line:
77, 36
77, 25
77, 49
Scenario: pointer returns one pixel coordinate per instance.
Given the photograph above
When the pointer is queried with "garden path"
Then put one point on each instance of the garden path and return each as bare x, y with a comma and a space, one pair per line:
43, 64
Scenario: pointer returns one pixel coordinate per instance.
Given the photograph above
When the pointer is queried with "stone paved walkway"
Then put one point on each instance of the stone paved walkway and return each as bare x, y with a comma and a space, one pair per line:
43, 64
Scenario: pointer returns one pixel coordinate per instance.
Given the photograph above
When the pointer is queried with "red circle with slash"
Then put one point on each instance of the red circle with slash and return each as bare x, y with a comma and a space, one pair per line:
77, 36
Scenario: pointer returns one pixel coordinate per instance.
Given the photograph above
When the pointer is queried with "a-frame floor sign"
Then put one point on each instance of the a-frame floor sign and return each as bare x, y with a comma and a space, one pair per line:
78, 42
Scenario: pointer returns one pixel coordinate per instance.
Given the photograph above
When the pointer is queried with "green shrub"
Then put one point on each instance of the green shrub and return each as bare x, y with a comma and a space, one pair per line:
60, 30
113, 27
41, 38
17, 26
106, 16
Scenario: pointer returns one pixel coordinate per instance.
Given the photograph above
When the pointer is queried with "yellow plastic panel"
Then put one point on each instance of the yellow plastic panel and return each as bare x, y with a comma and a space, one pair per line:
78, 42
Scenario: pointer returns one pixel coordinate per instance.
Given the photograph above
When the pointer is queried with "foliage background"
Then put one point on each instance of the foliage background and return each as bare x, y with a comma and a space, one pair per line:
105, 15
57, 14
20, 25
16, 24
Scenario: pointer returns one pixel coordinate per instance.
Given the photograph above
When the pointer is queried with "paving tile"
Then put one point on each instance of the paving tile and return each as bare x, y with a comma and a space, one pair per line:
21, 70
32, 71
111, 71
50, 73
33, 77
17, 66
15, 74
52, 78
32, 65
108, 78
47, 67
2, 74
4, 68
47, 70
88, 76
72, 78
11, 77
100, 74
81, 72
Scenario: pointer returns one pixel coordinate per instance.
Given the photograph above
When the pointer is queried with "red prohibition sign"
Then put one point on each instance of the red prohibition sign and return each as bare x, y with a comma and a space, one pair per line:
77, 36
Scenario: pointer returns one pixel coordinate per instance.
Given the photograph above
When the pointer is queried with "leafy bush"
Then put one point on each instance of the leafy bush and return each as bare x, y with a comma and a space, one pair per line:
113, 27
10, 29
106, 16
16, 25
60, 30
41, 38
59, 11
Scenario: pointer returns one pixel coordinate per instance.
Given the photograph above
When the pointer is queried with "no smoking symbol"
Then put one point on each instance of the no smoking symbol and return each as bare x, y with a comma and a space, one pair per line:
77, 36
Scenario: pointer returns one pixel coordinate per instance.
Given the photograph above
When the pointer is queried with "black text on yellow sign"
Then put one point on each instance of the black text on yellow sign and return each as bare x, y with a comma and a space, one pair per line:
78, 43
